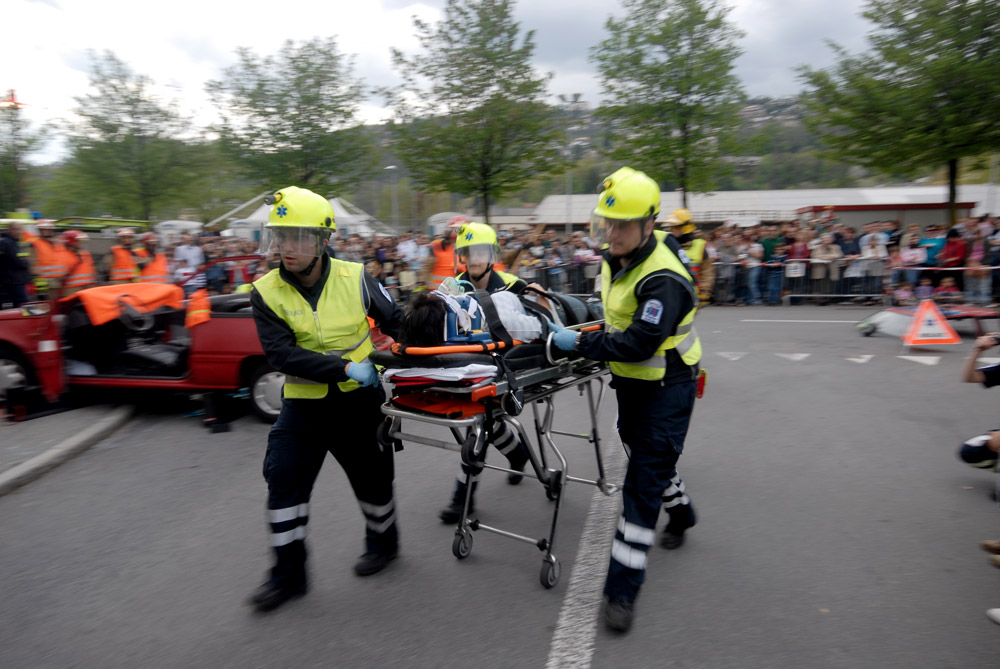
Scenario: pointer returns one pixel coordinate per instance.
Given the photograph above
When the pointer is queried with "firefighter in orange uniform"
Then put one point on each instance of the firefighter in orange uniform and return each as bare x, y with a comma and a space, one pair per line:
48, 262
123, 266
153, 266
80, 273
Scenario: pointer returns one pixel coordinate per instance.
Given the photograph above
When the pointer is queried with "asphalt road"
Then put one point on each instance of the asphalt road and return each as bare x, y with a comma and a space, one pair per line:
836, 529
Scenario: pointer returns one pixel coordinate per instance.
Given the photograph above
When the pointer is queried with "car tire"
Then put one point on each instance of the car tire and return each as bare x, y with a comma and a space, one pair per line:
265, 392
15, 370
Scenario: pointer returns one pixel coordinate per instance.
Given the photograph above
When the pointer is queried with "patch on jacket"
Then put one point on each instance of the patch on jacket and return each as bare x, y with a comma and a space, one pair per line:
652, 312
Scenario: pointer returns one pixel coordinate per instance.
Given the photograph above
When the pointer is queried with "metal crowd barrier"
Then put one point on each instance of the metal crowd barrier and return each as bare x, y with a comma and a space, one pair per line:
864, 279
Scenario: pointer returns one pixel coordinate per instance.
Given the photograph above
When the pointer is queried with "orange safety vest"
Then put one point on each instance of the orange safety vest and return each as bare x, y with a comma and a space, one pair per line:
444, 263
199, 309
81, 271
123, 268
155, 272
50, 260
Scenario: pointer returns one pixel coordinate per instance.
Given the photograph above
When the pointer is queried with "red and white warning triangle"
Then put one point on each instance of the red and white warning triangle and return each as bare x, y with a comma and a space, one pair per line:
929, 326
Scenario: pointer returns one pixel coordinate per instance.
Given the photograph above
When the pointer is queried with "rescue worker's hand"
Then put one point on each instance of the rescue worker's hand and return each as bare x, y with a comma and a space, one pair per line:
563, 339
362, 372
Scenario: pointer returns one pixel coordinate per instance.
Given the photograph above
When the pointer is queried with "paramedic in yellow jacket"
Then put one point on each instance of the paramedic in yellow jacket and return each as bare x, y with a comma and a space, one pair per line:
312, 319
653, 350
683, 228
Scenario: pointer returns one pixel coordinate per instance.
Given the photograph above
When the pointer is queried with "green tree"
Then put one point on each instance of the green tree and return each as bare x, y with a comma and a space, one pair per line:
128, 149
667, 69
293, 118
470, 114
926, 94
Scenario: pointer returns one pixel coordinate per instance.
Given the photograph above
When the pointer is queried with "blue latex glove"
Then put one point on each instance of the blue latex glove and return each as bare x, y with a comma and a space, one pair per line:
563, 339
363, 372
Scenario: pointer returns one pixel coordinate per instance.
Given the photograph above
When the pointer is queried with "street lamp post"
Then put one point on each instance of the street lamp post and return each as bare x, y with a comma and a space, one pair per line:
569, 101
395, 197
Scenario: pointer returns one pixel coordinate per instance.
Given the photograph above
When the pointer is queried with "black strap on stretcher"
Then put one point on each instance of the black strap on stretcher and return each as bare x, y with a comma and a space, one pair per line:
499, 332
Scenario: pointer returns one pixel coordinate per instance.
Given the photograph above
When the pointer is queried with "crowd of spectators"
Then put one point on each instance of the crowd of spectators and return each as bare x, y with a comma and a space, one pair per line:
830, 261
402, 264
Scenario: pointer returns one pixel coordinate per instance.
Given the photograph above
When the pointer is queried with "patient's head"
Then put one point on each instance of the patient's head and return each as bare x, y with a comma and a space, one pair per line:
423, 322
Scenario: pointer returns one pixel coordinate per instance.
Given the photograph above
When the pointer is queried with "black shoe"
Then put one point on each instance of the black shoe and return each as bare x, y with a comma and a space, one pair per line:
373, 563
617, 614
270, 596
518, 462
672, 541
450, 514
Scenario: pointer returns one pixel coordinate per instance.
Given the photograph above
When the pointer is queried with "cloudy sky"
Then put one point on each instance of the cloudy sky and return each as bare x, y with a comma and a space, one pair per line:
181, 44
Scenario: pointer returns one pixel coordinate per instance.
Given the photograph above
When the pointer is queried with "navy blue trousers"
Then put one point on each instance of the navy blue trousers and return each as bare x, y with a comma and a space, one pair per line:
343, 424
653, 423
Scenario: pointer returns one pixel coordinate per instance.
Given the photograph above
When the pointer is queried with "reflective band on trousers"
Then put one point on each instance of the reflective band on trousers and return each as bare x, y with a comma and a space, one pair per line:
632, 558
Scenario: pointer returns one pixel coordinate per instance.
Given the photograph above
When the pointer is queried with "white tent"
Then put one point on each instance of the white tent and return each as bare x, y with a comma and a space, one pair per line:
350, 220
170, 231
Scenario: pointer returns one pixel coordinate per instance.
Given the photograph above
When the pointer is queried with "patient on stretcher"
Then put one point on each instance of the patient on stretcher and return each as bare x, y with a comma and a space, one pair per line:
426, 321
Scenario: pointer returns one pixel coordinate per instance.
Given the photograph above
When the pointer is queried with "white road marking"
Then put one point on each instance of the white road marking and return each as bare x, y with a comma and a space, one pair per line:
573, 638
770, 320
861, 359
734, 355
989, 361
794, 357
922, 359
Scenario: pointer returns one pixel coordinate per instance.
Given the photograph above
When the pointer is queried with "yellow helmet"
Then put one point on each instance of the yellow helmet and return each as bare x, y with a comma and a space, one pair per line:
628, 194
295, 207
681, 221
474, 240
299, 224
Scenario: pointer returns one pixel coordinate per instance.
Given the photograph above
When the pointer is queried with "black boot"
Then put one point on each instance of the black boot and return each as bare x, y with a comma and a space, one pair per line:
518, 460
270, 595
450, 514
372, 563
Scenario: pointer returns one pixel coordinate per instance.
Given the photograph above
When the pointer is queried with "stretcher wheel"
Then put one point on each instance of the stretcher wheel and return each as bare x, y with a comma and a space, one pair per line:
461, 545
549, 575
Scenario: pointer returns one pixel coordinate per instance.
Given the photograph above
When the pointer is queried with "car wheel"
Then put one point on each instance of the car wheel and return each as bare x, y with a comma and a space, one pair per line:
265, 392
14, 370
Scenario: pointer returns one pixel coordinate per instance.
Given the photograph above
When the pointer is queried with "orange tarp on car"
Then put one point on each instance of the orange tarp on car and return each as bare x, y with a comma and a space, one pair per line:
104, 303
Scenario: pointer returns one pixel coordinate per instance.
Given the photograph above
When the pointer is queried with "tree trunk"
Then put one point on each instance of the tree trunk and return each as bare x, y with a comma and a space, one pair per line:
486, 207
952, 191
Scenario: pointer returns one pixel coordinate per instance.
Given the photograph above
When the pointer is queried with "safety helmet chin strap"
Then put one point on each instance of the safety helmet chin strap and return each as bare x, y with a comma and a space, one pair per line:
631, 254
309, 267
489, 268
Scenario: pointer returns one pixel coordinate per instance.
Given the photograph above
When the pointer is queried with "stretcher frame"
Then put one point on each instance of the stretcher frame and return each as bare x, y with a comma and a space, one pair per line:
473, 434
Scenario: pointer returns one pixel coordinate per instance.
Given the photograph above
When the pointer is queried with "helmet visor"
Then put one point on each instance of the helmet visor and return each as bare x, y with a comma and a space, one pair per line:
602, 229
294, 242
477, 254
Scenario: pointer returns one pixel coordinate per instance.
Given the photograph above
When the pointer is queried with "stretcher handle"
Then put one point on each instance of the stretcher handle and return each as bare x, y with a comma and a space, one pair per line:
444, 350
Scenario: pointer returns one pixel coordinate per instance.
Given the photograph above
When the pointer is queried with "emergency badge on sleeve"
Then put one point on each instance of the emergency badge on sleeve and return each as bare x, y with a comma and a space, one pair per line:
652, 312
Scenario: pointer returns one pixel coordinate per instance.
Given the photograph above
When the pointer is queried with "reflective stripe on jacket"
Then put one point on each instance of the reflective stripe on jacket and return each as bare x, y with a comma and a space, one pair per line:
339, 326
123, 267
156, 271
50, 261
81, 273
620, 304
199, 309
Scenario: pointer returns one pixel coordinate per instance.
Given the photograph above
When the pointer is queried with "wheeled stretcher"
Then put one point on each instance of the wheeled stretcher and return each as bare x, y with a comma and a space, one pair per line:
524, 375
